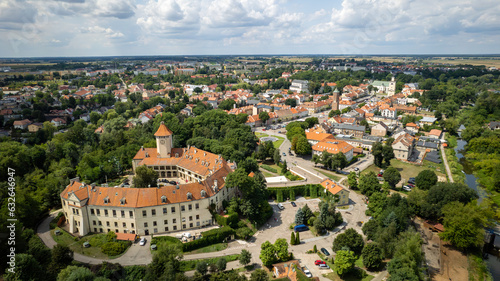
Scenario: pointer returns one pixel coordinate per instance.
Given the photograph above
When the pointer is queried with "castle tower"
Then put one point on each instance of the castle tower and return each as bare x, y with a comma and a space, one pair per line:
164, 141
392, 87
336, 98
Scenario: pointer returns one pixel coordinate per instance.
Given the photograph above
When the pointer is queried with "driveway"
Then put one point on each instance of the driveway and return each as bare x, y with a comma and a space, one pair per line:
135, 255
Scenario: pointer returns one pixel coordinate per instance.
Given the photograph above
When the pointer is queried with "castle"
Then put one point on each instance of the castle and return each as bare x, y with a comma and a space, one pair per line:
201, 179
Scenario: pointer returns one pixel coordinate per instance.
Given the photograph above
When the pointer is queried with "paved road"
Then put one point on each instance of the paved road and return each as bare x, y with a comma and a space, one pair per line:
447, 167
136, 254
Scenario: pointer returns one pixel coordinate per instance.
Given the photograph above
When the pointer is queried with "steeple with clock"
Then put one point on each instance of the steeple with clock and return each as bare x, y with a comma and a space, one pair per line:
164, 141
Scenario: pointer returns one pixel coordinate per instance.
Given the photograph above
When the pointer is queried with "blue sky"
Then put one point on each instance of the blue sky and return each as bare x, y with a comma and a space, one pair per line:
32, 28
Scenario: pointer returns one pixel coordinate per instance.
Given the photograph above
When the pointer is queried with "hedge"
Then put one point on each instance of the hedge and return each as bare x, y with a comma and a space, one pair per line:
115, 248
231, 220
53, 223
269, 168
279, 193
214, 236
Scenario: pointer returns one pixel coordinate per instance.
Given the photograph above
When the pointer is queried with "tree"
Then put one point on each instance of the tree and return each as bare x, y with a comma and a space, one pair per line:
281, 247
259, 275
311, 121
264, 116
75, 273
392, 176
368, 184
291, 102
377, 151
463, 224
308, 213
351, 239
297, 239
388, 154
303, 147
202, 267
316, 159
62, 256
292, 238
245, 257
277, 156
333, 113
221, 264
267, 254
145, 177
344, 262
299, 217
284, 168
372, 256
227, 104
426, 179
352, 180
26, 268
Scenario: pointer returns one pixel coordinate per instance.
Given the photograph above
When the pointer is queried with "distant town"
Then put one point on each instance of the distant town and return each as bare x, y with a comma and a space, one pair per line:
250, 168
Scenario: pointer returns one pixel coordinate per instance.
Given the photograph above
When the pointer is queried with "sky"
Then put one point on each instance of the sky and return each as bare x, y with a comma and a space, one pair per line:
54, 28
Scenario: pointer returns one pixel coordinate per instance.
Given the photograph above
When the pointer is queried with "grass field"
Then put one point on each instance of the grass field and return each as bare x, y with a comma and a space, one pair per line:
212, 248
276, 144
77, 245
329, 175
409, 170
488, 62
191, 264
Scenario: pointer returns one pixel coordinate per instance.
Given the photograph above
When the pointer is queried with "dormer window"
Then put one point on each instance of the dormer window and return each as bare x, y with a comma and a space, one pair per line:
123, 201
106, 200
189, 196
164, 199
203, 193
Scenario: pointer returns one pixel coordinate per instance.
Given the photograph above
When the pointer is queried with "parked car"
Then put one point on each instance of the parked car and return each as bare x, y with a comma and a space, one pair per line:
264, 129
407, 188
142, 242
284, 154
411, 184
318, 262
324, 251
307, 273
411, 181
324, 266
293, 204
356, 169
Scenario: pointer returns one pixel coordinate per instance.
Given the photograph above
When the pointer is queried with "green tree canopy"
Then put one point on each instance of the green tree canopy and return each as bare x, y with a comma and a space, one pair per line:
426, 179
344, 262
392, 176
350, 239
372, 256
145, 177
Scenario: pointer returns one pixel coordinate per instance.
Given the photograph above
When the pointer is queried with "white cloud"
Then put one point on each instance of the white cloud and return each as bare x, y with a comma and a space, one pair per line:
108, 32
16, 14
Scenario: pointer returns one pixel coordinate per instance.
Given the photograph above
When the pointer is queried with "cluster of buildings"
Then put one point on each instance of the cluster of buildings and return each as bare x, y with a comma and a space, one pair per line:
200, 178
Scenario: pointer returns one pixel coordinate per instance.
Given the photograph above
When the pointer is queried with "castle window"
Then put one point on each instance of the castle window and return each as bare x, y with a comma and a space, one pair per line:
164, 199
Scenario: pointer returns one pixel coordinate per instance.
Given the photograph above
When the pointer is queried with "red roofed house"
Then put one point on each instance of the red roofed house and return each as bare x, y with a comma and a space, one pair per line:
144, 211
336, 189
21, 124
334, 146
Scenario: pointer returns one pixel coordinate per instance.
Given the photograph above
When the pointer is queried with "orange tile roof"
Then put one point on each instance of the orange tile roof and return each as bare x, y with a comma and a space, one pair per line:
435, 132
317, 136
333, 146
125, 236
331, 186
146, 197
163, 131
411, 125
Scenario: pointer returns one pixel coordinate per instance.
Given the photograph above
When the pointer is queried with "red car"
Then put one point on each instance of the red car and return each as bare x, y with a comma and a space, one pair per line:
380, 175
412, 185
318, 262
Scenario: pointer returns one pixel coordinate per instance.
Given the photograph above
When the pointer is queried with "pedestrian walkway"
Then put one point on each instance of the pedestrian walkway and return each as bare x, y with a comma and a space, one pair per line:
445, 161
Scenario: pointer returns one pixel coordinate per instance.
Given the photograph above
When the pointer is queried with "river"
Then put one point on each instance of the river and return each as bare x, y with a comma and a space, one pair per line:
492, 261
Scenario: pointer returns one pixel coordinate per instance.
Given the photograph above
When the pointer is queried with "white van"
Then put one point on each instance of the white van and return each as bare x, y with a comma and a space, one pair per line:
280, 206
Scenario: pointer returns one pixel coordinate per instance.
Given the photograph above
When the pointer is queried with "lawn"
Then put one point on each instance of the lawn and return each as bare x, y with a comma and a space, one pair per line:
267, 175
331, 176
356, 275
409, 170
191, 264
76, 245
211, 248
277, 143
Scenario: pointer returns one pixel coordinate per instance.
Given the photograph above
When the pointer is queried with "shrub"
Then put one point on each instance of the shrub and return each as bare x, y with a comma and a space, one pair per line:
114, 248
270, 169
279, 196
292, 238
210, 237
98, 240
230, 220
53, 223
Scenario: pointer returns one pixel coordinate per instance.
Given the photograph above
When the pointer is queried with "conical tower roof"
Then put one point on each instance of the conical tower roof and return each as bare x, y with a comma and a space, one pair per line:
163, 131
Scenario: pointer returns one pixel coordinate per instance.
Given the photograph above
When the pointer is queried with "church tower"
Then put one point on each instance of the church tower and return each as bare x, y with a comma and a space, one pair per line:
392, 87
164, 141
336, 98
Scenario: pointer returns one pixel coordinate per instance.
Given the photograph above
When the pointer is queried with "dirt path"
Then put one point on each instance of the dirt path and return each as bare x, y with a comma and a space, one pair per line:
445, 161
